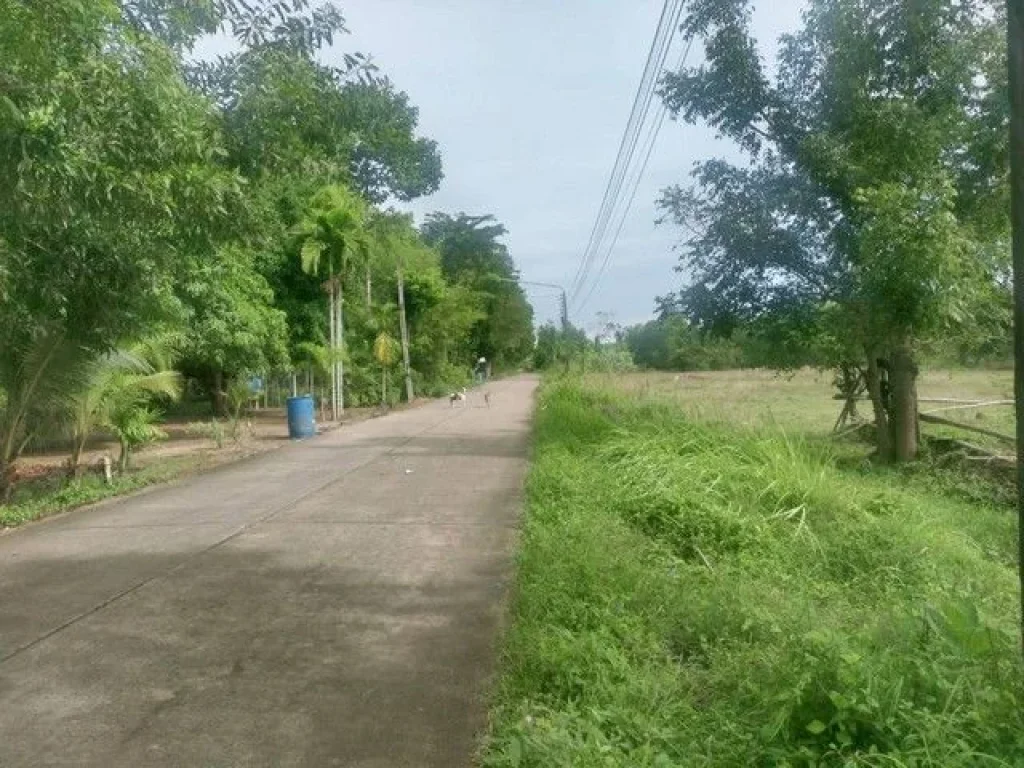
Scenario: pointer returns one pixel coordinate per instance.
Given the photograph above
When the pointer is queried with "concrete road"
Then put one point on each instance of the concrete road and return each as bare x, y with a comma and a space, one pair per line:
333, 603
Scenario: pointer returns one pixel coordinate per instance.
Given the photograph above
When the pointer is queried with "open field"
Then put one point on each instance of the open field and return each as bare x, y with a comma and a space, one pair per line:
707, 580
802, 402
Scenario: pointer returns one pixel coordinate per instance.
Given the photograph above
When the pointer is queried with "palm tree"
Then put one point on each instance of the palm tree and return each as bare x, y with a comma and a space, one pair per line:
393, 237
37, 371
331, 234
116, 391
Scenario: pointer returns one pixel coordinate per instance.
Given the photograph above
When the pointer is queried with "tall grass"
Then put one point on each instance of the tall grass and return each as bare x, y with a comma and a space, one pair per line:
693, 594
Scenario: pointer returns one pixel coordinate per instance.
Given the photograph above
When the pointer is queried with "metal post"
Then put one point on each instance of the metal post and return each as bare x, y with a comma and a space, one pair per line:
1015, 47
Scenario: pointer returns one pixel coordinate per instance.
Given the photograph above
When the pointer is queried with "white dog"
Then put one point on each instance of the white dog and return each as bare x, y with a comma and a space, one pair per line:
457, 397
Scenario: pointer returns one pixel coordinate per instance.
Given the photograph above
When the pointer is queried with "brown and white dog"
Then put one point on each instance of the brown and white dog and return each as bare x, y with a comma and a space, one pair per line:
457, 397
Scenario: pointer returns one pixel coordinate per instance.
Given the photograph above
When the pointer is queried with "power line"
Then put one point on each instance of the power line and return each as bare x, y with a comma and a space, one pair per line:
670, 13
663, 42
635, 128
652, 142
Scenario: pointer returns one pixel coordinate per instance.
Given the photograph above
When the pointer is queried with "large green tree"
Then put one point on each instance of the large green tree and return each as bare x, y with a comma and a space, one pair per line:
874, 184
473, 255
233, 325
111, 170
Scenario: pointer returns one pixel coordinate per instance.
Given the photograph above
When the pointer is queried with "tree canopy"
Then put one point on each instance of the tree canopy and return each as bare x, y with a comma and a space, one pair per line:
473, 255
151, 192
873, 185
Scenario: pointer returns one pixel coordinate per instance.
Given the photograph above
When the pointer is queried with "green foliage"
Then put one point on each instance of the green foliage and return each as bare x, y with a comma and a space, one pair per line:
93, 226
869, 188
472, 255
124, 388
385, 349
558, 347
700, 595
869, 156
609, 358
238, 397
36, 375
332, 233
233, 325
112, 171
116, 392
671, 343
211, 430
50, 498
134, 426
146, 188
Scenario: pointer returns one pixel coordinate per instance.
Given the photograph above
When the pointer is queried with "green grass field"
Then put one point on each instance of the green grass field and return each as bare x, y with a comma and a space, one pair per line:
705, 579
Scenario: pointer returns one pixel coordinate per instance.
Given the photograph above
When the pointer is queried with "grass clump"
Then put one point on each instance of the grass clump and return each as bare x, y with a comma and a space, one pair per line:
57, 494
695, 594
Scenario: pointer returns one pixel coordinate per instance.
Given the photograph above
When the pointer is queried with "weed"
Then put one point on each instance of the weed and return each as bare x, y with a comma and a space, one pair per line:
212, 430
48, 499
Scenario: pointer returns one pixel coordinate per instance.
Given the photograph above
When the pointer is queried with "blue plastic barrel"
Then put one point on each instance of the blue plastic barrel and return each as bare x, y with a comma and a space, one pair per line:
301, 421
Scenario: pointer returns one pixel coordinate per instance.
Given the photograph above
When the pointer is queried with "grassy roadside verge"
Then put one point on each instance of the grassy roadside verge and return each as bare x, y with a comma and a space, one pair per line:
57, 496
704, 595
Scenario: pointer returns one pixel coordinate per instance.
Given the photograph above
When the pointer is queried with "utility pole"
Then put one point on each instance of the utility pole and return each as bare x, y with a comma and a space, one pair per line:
404, 328
563, 305
1015, 49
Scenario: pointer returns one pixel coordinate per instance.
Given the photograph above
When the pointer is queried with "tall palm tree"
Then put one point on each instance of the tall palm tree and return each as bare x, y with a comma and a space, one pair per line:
332, 234
393, 236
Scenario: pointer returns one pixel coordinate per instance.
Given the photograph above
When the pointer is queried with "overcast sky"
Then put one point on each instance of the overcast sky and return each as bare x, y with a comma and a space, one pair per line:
528, 100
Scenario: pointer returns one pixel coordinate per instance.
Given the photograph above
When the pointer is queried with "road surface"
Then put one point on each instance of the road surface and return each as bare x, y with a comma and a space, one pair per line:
333, 603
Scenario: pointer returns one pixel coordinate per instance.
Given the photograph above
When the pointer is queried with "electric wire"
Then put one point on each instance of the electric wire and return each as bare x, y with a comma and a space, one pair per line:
652, 142
660, 45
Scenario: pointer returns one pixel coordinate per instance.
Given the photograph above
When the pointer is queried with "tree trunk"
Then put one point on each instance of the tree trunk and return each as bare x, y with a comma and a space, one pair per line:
217, 395
8, 476
341, 349
369, 287
75, 462
903, 404
122, 459
883, 438
332, 330
404, 328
